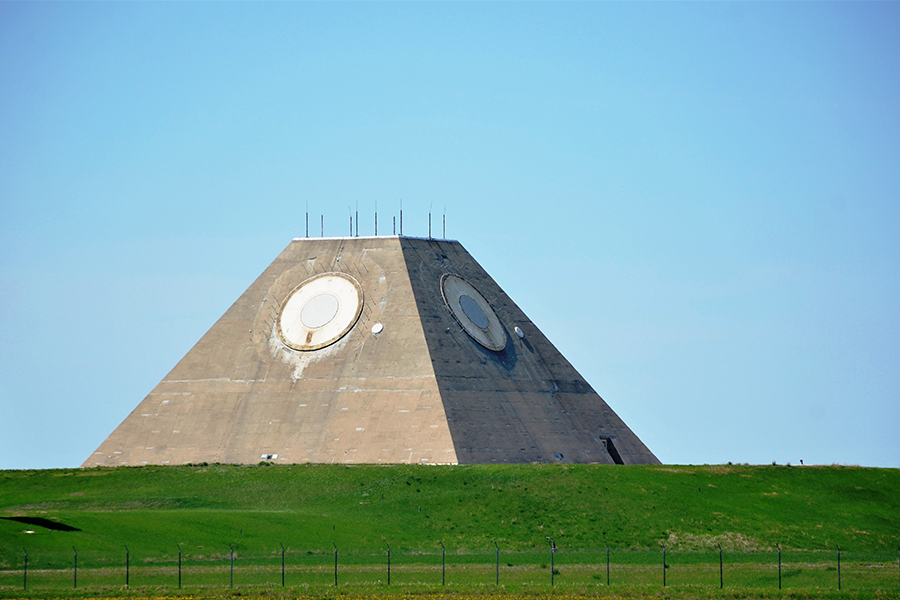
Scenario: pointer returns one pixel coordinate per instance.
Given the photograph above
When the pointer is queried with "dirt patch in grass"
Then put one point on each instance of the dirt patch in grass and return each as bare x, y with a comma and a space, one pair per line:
730, 542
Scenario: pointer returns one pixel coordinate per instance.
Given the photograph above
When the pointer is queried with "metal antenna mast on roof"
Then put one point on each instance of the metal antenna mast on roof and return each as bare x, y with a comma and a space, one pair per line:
357, 218
444, 236
351, 220
429, 221
323, 225
376, 218
395, 225
401, 216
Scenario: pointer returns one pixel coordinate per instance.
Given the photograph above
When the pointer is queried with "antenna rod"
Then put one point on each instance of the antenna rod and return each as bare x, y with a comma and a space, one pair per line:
376, 219
357, 218
395, 225
323, 225
445, 227
429, 224
401, 217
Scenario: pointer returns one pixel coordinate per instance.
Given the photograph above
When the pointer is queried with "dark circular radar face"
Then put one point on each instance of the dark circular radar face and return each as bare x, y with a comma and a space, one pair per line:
473, 313
320, 311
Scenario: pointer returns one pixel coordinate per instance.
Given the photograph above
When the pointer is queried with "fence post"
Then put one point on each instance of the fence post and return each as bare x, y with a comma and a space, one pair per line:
389, 562
497, 571
335, 564
607, 565
664, 566
839, 568
779, 566
552, 552
282, 564
127, 567
75, 576
721, 575
25, 571
231, 581
443, 564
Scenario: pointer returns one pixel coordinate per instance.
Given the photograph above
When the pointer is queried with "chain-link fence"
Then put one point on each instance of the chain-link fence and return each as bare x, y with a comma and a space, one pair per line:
204, 568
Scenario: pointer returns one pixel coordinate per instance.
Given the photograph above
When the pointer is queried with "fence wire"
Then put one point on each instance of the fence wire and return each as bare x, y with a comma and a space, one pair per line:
226, 567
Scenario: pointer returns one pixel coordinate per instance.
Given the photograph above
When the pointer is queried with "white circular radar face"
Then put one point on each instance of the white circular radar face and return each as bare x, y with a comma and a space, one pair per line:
473, 312
320, 311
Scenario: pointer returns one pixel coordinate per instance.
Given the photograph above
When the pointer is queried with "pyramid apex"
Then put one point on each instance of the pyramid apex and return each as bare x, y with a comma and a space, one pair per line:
373, 237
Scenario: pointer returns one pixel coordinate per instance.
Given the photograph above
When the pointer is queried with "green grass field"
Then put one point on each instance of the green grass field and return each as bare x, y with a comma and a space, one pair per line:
312, 509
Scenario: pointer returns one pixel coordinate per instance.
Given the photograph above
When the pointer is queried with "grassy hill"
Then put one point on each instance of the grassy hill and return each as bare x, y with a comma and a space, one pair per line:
467, 507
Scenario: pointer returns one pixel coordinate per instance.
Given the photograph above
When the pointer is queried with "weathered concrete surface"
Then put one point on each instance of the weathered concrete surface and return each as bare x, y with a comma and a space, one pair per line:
421, 391
525, 403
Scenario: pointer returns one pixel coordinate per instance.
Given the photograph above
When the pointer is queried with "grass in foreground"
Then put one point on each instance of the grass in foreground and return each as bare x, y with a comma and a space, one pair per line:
207, 510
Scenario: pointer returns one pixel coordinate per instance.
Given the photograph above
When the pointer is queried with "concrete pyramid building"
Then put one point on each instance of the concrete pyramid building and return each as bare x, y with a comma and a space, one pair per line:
373, 350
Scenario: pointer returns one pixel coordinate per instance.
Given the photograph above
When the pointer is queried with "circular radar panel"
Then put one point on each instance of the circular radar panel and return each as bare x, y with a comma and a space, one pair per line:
473, 312
320, 311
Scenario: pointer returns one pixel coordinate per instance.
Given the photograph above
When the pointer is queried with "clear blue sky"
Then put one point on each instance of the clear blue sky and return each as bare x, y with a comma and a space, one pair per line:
698, 203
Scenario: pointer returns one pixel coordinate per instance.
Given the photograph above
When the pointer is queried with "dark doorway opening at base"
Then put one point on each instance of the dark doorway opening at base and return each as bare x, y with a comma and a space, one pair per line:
611, 450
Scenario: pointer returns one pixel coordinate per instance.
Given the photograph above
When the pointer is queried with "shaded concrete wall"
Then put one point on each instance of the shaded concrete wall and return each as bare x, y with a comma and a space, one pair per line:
525, 403
421, 391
